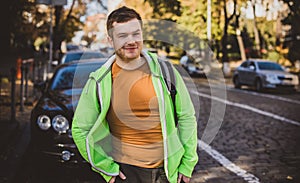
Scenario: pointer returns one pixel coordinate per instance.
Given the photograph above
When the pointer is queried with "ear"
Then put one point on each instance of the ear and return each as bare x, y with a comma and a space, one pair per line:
110, 40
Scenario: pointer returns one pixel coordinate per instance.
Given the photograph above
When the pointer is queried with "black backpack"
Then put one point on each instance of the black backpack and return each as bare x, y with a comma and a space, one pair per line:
169, 77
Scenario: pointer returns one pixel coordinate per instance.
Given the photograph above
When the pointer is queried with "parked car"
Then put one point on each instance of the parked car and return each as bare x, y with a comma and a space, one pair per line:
70, 47
75, 55
52, 146
195, 64
194, 68
262, 74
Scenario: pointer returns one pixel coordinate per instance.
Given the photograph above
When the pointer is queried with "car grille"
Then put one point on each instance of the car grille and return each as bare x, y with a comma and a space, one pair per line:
284, 78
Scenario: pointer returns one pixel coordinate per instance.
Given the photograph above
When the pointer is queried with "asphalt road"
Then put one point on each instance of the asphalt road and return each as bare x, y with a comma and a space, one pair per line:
243, 136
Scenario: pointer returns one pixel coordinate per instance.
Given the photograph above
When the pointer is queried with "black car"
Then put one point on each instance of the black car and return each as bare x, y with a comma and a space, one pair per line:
52, 146
75, 55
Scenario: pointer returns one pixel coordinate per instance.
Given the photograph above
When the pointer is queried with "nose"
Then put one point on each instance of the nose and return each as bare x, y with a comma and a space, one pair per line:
130, 39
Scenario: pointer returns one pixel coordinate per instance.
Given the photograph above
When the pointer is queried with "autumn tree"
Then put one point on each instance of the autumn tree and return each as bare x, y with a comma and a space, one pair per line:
293, 20
25, 22
67, 22
165, 9
18, 27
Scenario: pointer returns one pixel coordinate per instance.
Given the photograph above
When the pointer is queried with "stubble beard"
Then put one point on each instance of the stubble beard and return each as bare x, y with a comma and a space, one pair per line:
129, 55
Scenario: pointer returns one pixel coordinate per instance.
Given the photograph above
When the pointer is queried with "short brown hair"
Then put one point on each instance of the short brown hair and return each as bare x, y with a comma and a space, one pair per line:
121, 15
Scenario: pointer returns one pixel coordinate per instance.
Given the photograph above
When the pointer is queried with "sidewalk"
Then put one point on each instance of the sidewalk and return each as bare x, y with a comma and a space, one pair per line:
14, 138
14, 133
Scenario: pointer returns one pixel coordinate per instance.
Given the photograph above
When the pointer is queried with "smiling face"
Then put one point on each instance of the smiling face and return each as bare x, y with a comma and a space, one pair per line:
127, 39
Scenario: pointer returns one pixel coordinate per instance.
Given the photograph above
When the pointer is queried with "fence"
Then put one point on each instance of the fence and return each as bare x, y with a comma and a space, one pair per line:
17, 90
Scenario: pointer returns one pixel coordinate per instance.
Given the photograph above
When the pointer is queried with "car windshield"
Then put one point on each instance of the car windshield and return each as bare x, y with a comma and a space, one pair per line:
269, 66
73, 76
82, 56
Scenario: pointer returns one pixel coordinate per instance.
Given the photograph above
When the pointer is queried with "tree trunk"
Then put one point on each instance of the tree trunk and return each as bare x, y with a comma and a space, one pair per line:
240, 39
256, 34
58, 35
241, 44
224, 41
225, 60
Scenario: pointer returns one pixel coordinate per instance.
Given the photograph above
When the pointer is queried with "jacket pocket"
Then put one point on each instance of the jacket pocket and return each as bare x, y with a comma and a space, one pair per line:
175, 152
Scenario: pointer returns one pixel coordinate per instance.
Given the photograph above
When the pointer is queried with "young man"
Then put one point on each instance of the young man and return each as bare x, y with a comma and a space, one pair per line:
124, 122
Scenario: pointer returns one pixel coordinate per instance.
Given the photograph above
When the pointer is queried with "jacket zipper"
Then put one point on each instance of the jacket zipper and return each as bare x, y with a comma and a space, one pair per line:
164, 129
99, 95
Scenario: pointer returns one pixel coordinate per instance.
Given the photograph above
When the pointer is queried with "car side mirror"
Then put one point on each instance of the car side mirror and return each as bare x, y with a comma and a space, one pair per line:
251, 67
54, 63
287, 69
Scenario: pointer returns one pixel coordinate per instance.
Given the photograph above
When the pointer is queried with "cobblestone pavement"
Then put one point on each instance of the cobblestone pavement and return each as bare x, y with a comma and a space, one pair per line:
259, 134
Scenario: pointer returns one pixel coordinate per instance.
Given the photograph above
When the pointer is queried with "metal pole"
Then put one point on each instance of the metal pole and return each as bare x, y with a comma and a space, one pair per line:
26, 80
0, 85
22, 89
34, 74
208, 20
12, 95
51, 40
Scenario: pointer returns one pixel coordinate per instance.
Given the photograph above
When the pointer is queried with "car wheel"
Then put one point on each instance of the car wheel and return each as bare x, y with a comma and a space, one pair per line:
236, 82
258, 85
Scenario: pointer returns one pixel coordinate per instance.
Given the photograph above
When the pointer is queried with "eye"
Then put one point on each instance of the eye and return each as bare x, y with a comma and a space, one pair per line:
122, 36
137, 34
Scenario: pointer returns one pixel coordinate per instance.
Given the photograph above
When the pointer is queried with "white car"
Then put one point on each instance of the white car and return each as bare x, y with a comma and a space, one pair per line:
194, 67
263, 74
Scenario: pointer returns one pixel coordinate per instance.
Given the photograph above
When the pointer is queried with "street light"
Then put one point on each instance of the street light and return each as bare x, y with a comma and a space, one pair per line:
51, 4
209, 20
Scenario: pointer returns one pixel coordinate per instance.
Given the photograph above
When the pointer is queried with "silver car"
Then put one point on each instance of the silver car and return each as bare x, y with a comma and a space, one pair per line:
262, 74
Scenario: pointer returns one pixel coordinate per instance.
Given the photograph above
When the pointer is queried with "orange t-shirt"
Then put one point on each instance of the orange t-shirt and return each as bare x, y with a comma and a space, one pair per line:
134, 118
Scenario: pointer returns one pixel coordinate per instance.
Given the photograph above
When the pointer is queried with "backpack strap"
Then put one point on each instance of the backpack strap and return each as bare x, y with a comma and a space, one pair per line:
170, 80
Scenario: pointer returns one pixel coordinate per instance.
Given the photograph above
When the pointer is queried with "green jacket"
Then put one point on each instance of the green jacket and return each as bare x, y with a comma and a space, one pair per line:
91, 132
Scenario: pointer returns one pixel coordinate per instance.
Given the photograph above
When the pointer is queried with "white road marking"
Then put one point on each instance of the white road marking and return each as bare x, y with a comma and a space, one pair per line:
231, 87
266, 95
227, 163
247, 107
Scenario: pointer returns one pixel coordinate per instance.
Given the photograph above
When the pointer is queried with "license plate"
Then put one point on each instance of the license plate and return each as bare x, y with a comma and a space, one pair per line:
287, 82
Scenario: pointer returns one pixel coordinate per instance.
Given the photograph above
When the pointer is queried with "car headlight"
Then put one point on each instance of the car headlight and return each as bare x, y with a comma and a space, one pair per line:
44, 122
60, 124
271, 78
296, 79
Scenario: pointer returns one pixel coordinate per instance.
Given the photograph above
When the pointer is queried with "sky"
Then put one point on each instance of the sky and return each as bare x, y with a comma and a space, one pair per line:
94, 8
272, 14
260, 11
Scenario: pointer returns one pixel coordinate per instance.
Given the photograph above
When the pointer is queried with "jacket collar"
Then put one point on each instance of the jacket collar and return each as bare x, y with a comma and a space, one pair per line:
148, 56
151, 59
